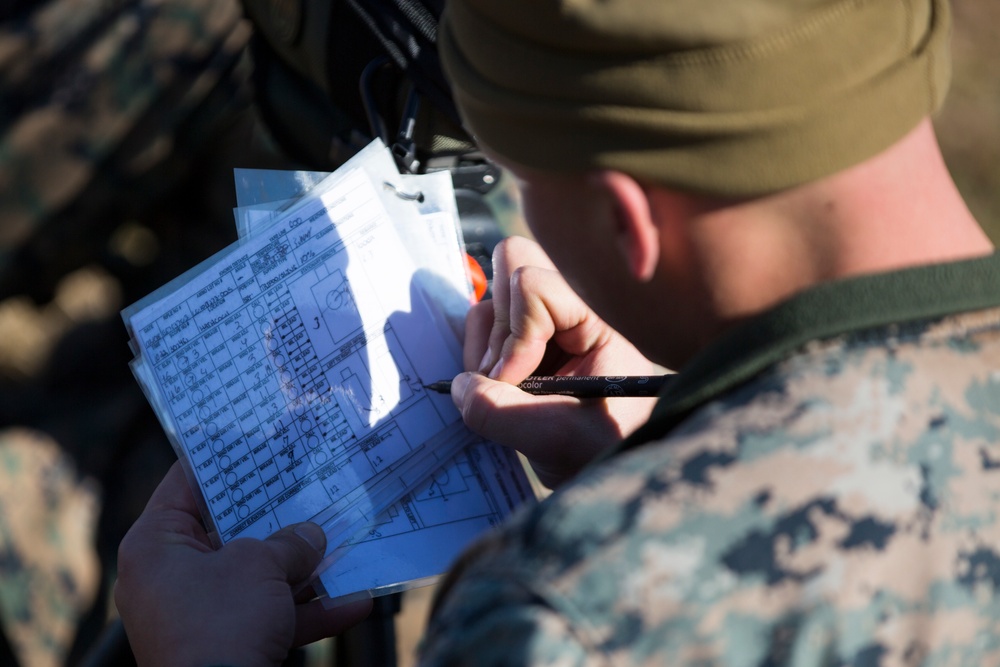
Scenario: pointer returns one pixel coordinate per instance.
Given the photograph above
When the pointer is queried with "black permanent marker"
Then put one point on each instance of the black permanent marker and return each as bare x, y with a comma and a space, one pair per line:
582, 386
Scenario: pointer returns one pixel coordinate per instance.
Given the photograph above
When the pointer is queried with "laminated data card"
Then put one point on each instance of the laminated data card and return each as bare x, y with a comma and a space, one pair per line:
289, 374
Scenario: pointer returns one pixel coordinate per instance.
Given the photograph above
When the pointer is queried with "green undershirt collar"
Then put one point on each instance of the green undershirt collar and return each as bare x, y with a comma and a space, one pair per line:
822, 312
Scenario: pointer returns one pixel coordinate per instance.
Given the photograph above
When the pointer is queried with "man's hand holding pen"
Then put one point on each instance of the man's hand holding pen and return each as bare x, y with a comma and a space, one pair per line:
535, 324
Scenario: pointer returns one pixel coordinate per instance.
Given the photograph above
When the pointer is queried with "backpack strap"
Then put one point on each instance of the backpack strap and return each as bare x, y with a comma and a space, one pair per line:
360, 69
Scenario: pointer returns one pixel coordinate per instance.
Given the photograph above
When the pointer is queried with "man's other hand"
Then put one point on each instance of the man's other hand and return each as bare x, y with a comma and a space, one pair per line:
185, 603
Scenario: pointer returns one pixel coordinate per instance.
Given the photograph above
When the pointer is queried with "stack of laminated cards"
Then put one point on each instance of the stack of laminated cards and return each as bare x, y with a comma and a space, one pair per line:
288, 372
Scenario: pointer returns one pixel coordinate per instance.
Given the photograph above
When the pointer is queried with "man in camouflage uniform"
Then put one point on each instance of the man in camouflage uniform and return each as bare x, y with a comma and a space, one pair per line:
819, 486
749, 191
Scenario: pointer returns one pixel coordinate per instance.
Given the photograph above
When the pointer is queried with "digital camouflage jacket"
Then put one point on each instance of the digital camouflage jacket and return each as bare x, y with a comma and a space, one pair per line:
822, 487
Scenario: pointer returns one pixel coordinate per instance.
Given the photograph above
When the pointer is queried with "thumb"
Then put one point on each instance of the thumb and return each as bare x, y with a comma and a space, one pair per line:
297, 550
501, 412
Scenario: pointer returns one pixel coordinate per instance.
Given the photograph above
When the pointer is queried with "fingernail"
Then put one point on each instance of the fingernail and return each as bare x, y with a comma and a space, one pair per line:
312, 534
458, 387
495, 373
485, 361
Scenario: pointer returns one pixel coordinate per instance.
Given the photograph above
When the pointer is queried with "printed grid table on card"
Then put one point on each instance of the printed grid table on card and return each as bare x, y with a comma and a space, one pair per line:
286, 397
289, 373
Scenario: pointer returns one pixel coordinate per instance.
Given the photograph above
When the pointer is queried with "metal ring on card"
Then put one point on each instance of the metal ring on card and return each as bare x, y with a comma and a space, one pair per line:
417, 196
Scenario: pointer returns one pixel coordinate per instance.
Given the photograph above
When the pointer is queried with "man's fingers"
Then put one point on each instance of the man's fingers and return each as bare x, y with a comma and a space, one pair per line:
509, 255
171, 511
558, 434
297, 550
478, 324
173, 493
313, 621
504, 414
543, 307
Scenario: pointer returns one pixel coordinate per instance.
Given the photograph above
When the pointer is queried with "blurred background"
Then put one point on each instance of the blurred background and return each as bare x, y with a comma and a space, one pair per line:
120, 124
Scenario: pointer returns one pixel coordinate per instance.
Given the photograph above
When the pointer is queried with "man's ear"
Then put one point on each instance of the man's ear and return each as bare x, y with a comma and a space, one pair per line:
638, 237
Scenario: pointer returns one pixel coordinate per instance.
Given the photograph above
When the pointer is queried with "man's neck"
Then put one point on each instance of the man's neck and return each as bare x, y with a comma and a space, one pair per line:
898, 209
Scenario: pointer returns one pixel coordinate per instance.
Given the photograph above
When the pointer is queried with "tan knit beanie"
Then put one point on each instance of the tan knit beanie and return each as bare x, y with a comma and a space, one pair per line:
725, 97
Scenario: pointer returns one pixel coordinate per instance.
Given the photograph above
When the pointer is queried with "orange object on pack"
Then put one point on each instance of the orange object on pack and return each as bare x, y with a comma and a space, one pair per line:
478, 277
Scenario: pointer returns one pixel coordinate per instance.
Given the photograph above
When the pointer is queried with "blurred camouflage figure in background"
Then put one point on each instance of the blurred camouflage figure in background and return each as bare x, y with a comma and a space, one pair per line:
100, 102
49, 573
118, 123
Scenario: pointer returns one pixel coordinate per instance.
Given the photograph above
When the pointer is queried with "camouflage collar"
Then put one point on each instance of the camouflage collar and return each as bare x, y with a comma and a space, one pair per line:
827, 310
